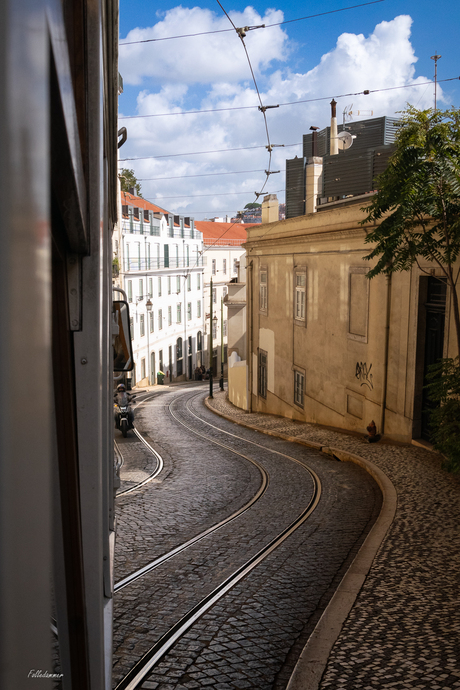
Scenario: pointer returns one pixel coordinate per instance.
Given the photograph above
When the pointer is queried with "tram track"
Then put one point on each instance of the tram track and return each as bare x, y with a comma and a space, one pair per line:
157, 651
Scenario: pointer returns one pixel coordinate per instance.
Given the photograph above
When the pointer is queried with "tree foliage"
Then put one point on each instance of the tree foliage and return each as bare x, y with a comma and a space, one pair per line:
417, 204
252, 205
128, 181
444, 391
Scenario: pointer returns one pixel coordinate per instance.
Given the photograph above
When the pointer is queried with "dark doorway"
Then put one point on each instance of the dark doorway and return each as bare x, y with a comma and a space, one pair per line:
435, 310
190, 358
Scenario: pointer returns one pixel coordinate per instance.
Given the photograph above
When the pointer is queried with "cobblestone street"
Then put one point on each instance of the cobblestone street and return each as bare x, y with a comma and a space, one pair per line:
252, 637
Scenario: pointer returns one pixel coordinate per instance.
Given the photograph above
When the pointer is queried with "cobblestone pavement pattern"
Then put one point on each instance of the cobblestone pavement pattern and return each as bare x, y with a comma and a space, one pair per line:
252, 637
404, 629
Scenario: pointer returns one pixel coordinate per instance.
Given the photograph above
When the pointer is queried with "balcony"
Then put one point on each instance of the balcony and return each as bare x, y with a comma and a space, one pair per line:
154, 264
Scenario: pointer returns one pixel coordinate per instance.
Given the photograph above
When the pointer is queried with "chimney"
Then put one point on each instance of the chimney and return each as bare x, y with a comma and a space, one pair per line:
270, 209
334, 146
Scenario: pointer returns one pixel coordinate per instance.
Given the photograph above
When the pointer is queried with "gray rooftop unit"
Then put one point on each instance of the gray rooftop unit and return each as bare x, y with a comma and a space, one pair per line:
350, 173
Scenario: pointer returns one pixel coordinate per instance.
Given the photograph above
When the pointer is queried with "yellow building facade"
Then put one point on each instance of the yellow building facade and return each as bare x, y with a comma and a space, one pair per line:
325, 344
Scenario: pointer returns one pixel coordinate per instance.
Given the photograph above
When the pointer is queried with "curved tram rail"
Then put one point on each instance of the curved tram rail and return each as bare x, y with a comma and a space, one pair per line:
143, 667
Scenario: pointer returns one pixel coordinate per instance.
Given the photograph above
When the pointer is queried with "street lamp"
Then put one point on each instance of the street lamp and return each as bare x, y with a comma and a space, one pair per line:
148, 306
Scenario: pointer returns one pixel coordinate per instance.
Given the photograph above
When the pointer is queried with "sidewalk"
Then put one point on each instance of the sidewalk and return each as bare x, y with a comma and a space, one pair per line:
395, 619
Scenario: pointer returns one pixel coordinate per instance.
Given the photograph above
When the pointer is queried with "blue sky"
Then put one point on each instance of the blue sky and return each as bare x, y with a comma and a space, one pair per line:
376, 47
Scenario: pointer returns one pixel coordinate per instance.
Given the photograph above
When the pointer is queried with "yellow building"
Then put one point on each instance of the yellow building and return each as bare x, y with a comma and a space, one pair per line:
326, 345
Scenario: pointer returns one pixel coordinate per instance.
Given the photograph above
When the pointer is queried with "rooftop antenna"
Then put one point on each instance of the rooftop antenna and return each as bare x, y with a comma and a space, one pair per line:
348, 114
435, 58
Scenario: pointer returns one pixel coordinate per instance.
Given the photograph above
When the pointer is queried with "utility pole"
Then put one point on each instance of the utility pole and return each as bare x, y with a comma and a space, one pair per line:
435, 58
210, 344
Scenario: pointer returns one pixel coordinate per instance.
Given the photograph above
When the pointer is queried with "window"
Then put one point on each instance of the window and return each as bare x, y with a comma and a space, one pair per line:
159, 286
160, 362
146, 216
213, 268
299, 380
171, 226
187, 250
131, 327
130, 290
224, 290
143, 368
214, 328
176, 248
160, 319
235, 265
179, 313
147, 247
198, 309
198, 281
179, 359
299, 297
169, 315
141, 289
142, 326
189, 283
262, 374
263, 296
151, 321
136, 213
189, 311
166, 259
169, 285
181, 222
224, 266
150, 287
358, 304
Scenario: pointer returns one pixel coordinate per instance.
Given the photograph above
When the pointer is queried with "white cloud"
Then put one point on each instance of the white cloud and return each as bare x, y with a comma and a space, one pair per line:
201, 59
383, 60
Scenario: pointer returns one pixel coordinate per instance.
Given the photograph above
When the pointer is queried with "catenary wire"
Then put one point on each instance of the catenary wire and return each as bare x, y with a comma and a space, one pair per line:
366, 92
264, 26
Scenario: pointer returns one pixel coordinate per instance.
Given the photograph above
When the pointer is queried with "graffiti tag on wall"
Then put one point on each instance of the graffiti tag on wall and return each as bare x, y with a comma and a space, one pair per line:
363, 374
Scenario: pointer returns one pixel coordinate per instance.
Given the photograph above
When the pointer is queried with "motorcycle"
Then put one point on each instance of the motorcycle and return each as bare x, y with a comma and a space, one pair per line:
122, 417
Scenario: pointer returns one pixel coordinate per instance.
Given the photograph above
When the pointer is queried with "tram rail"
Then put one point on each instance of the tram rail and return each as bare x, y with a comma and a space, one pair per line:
148, 661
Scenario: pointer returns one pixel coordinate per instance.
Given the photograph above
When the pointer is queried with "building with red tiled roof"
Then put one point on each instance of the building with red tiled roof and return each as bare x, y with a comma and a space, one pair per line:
159, 256
223, 250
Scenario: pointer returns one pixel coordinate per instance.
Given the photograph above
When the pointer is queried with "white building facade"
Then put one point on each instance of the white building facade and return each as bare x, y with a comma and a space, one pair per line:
223, 248
160, 263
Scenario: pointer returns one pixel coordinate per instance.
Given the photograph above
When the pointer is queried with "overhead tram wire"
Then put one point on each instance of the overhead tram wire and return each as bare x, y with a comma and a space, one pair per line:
366, 92
263, 26
241, 32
